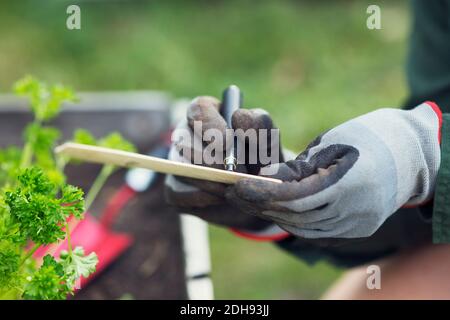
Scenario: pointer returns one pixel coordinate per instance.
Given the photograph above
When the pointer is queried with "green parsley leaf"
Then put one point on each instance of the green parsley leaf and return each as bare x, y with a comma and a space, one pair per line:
45, 101
34, 206
85, 137
9, 164
77, 264
9, 264
116, 141
47, 283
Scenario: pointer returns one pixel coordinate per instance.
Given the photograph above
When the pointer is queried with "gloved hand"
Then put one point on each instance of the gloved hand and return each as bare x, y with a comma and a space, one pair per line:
207, 199
352, 178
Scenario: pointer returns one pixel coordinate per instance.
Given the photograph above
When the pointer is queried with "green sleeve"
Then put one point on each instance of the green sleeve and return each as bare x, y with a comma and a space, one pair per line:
428, 67
441, 206
428, 71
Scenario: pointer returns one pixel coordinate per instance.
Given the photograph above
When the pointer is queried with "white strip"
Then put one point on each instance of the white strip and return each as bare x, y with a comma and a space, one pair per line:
197, 257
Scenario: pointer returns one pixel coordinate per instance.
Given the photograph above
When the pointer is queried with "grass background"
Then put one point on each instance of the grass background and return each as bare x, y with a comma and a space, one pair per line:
312, 64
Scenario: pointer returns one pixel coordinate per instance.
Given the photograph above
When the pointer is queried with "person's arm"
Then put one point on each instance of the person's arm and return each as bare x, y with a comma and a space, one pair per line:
428, 72
441, 204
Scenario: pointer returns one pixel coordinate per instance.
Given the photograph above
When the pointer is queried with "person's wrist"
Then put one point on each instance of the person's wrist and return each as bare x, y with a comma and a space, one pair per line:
425, 122
270, 232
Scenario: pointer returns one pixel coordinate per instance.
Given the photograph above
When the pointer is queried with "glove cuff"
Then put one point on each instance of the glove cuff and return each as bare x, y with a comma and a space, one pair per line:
271, 233
426, 121
412, 140
438, 112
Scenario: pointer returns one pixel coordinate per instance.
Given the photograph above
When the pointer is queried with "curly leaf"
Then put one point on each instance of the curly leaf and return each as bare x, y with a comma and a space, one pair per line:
9, 264
116, 141
72, 200
33, 205
47, 283
45, 101
9, 164
85, 137
42, 140
77, 264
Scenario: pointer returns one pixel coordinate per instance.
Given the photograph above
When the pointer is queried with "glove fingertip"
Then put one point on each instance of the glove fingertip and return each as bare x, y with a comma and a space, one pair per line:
203, 102
251, 119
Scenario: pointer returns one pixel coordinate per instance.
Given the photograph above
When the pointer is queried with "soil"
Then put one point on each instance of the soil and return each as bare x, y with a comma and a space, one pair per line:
152, 268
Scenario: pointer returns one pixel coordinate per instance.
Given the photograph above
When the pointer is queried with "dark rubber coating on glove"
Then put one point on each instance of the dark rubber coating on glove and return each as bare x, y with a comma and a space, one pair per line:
303, 178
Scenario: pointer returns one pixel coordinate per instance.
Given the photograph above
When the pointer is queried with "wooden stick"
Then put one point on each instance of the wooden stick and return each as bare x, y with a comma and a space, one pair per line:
103, 155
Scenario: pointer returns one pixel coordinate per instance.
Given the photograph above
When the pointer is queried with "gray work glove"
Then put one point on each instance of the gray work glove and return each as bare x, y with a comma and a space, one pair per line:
207, 199
352, 178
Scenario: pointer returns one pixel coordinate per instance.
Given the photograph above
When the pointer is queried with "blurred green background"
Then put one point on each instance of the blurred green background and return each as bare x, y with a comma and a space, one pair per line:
312, 64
